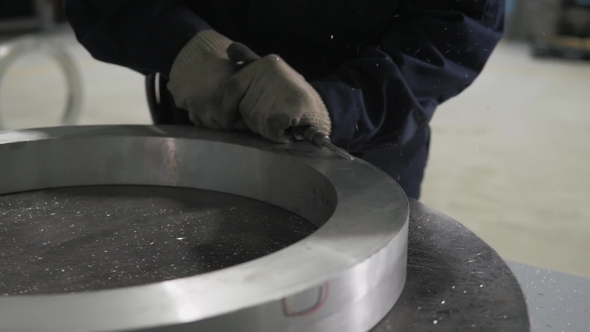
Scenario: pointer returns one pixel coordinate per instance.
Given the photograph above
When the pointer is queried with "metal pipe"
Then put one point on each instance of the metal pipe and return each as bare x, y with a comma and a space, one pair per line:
14, 49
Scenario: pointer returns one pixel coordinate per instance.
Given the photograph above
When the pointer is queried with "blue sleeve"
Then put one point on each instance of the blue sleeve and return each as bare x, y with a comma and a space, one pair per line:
144, 35
433, 51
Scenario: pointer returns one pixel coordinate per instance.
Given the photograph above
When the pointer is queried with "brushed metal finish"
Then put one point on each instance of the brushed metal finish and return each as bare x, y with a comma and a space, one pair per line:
344, 277
21, 46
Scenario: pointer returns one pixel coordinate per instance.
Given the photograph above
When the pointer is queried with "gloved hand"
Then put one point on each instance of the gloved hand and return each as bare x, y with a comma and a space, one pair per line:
272, 97
196, 77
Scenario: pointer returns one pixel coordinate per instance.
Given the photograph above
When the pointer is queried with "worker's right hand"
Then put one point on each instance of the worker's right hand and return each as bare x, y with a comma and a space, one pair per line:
197, 74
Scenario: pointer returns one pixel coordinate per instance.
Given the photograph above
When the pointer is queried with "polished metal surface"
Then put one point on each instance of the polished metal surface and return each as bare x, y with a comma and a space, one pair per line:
344, 277
12, 50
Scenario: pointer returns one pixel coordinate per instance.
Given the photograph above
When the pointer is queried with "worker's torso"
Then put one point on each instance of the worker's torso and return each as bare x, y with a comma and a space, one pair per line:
314, 36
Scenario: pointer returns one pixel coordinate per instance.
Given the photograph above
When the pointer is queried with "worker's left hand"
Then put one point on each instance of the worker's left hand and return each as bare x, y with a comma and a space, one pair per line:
272, 97
197, 73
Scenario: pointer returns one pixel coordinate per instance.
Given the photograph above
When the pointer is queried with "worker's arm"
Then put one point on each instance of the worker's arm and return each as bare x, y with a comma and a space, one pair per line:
144, 35
165, 36
433, 50
162, 36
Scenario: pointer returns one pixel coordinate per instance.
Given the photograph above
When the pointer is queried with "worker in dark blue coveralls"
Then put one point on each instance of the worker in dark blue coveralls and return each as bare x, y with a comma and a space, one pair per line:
369, 73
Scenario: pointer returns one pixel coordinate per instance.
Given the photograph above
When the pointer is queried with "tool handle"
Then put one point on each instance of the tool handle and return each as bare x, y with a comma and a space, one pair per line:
240, 55
311, 135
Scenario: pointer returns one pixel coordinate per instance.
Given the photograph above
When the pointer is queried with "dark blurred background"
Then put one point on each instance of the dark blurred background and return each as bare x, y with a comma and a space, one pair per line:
30, 15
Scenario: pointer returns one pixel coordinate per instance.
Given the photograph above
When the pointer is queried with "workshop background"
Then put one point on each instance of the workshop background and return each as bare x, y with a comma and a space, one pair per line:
509, 156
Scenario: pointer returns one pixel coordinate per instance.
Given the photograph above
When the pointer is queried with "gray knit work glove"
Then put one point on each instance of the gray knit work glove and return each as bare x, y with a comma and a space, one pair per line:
196, 77
272, 97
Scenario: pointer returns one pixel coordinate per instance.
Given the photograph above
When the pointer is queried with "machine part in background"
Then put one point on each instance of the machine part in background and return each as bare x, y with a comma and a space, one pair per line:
18, 47
346, 276
515, 27
46, 13
576, 20
559, 28
543, 19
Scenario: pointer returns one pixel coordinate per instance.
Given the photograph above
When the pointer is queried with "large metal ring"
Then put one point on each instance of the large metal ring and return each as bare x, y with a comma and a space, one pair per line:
344, 277
13, 49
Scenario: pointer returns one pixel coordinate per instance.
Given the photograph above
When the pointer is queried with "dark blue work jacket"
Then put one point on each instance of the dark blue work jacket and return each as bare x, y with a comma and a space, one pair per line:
381, 66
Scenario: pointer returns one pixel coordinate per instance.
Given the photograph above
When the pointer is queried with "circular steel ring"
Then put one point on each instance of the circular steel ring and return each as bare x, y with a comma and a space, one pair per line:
13, 49
344, 277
